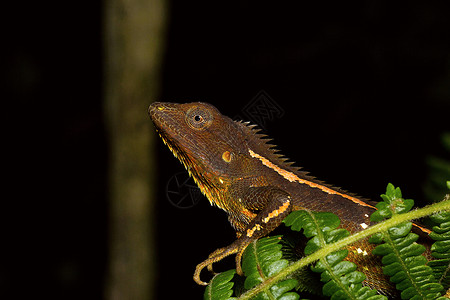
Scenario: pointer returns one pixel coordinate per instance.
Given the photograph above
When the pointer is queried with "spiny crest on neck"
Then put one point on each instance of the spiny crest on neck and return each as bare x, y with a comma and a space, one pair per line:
260, 143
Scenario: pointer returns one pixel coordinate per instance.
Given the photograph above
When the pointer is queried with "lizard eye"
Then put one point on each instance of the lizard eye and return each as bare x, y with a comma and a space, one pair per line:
198, 118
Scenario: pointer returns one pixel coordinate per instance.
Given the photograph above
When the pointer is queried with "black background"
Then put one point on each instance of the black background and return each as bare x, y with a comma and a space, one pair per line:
364, 88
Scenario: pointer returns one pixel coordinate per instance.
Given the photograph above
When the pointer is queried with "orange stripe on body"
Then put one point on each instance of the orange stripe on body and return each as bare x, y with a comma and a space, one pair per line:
426, 230
277, 212
294, 178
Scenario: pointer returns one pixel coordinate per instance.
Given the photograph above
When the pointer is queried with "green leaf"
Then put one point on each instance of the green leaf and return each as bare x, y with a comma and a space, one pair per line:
401, 230
393, 203
281, 290
220, 287
341, 279
390, 191
441, 248
377, 238
402, 256
263, 259
301, 219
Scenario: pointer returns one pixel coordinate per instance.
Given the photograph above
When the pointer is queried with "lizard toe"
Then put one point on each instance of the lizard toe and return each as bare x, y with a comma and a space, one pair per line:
197, 272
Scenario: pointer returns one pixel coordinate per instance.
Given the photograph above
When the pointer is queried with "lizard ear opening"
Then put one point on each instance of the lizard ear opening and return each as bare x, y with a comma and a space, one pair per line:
198, 118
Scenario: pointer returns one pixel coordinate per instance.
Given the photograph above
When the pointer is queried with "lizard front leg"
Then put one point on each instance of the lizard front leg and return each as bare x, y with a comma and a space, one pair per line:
276, 205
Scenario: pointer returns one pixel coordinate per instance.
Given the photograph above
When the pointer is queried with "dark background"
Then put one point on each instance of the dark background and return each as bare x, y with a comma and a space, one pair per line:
364, 88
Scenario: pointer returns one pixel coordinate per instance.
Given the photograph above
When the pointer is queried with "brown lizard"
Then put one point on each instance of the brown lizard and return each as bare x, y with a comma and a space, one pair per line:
241, 173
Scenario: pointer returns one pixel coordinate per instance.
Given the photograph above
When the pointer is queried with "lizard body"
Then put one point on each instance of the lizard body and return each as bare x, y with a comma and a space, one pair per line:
239, 171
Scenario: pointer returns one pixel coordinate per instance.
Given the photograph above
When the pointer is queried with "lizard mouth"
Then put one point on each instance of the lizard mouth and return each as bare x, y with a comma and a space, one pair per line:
167, 118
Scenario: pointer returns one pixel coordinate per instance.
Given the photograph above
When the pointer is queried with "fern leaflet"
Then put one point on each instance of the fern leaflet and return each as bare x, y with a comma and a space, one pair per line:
441, 248
402, 256
220, 287
263, 259
342, 281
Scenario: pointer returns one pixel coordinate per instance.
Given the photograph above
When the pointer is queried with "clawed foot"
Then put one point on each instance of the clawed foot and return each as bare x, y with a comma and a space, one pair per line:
198, 270
218, 255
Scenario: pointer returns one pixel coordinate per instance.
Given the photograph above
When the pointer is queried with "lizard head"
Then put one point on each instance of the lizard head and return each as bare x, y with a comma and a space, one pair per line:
211, 146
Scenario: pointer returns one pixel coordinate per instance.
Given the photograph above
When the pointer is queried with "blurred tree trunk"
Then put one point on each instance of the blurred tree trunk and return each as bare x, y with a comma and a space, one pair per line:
133, 41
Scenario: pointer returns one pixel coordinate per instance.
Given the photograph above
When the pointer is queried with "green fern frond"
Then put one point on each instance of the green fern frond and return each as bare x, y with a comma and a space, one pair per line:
271, 276
220, 287
263, 259
342, 281
441, 248
402, 256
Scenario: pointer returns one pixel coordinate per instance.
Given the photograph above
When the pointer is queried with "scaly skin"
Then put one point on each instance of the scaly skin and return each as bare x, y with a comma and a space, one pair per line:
238, 171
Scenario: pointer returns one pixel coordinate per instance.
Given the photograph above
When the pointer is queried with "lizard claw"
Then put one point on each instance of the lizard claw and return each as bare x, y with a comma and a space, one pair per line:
217, 255
197, 272
209, 265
